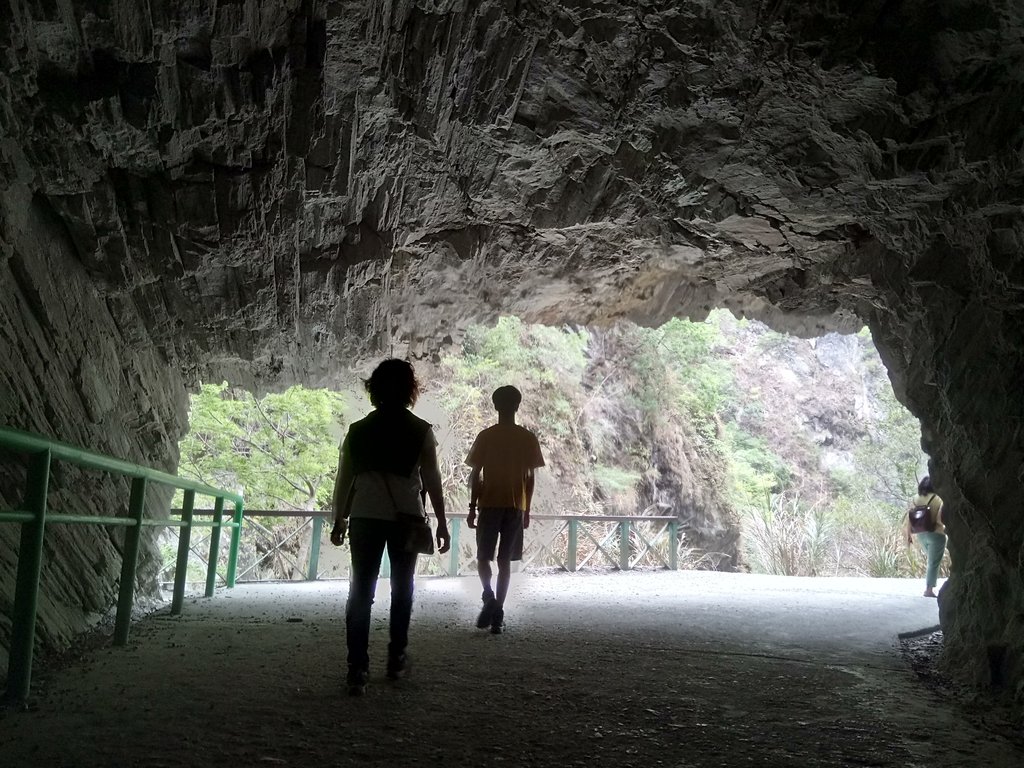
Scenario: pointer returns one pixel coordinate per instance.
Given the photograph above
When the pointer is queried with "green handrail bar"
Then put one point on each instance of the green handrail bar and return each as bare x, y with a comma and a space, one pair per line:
236, 538
35, 516
314, 549
26, 587
572, 549
184, 542
624, 545
24, 442
129, 560
453, 553
211, 563
673, 544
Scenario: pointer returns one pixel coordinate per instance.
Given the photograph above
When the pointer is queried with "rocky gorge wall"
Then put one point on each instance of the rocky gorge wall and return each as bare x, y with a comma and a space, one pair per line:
81, 367
267, 191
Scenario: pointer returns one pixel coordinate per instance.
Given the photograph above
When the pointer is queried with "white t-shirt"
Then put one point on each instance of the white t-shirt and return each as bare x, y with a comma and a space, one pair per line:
383, 495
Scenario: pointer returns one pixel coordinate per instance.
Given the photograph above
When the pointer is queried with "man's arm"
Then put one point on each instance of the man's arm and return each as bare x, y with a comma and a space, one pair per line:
536, 461
342, 491
476, 489
431, 477
528, 483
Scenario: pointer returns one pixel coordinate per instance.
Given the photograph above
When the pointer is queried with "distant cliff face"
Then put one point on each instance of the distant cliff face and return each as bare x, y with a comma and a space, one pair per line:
269, 190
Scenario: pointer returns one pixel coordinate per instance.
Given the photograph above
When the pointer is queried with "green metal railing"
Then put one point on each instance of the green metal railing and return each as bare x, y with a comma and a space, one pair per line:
35, 516
622, 542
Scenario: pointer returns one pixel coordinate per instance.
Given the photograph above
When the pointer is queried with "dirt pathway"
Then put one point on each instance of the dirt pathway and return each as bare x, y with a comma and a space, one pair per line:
637, 669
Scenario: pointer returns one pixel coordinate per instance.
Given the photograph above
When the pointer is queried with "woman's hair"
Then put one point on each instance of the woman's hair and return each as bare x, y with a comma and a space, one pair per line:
925, 486
393, 384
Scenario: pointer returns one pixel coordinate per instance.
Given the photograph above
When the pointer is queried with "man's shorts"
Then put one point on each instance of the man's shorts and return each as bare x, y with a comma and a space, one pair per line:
505, 523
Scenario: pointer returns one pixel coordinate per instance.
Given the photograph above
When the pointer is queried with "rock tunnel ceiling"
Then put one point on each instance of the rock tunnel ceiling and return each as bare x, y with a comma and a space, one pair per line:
267, 191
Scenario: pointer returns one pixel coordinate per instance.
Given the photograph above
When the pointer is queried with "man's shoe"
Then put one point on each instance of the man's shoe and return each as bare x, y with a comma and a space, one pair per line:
497, 621
356, 681
487, 612
398, 666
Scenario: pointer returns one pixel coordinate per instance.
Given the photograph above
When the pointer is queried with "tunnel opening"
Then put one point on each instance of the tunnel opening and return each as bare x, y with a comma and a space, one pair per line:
770, 453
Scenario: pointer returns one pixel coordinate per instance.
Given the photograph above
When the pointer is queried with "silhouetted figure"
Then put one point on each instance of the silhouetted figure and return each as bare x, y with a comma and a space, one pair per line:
386, 459
503, 458
924, 520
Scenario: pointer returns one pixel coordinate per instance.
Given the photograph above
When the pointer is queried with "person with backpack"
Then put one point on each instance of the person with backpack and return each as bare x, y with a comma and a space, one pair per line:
924, 520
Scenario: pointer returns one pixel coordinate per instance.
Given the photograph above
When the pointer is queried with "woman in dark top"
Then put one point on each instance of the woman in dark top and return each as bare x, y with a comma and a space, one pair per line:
387, 461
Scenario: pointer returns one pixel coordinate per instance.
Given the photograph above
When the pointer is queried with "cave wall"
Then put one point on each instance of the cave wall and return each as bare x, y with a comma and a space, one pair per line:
81, 367
955, 360
269, 191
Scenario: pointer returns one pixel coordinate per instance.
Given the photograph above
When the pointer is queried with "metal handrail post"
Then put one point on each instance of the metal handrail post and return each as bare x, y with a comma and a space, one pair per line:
211, 563
454, 555
624, 545
26, 591
236, 536
314, 548
184, 545
572, 549
673, 545
129, 560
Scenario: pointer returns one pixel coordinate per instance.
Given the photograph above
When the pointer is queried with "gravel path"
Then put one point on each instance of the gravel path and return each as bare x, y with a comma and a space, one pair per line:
635, 669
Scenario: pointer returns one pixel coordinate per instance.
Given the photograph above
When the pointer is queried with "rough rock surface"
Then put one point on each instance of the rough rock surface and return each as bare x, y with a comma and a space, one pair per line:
265, 190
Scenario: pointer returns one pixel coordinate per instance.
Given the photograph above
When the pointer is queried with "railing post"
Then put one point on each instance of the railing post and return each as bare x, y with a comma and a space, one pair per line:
571, 553
184, 544
314, 548
211, 563
26, 590
673, 545
624, 545
236, 536
453, 553
129, 560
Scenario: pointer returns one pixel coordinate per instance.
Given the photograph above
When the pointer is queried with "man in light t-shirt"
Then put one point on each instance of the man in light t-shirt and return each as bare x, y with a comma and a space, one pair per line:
503, 457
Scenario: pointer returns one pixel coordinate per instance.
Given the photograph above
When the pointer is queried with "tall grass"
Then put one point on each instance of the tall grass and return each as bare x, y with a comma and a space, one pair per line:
789, 535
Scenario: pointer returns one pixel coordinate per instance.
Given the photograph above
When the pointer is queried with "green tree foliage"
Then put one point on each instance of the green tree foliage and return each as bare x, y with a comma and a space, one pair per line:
889, 461
702, 380
281, 449
674, 368
755, 471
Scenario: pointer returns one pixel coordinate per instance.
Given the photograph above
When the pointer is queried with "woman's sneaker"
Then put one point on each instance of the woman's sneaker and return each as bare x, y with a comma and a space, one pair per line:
483, 621
497, 621
356, 681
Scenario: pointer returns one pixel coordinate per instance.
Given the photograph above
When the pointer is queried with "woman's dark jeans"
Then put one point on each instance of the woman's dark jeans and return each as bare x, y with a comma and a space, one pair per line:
367, 539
